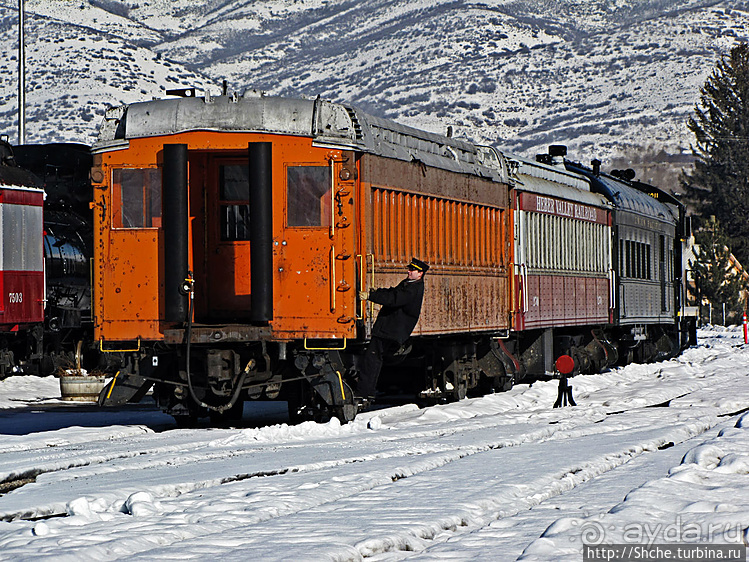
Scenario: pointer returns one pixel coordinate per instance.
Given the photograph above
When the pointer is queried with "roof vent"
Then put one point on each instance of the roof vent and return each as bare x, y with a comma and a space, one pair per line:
557, 152
628, 174
182, 92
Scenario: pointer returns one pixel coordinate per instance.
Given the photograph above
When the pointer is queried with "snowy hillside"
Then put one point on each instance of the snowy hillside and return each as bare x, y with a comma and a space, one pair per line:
607, 77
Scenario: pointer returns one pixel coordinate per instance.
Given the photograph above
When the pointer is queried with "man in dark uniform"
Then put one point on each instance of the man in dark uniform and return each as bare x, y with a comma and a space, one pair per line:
401, 306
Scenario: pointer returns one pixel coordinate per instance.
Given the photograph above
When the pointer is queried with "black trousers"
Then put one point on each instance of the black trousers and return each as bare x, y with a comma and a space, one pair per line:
377, 348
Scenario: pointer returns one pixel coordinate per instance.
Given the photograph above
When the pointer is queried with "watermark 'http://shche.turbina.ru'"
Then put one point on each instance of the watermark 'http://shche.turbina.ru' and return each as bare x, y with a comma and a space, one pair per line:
665, 553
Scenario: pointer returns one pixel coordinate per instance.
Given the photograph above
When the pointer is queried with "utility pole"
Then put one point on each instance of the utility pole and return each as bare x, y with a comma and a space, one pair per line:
21, 77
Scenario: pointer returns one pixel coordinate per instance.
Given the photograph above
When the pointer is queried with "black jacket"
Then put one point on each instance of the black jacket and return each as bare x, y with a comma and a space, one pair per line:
401, 306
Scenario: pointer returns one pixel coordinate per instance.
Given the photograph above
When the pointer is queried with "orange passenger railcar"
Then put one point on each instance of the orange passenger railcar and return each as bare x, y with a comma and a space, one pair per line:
233, 234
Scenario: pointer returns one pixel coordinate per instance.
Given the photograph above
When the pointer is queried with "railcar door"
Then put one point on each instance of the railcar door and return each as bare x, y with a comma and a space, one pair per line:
314, 258
227, 258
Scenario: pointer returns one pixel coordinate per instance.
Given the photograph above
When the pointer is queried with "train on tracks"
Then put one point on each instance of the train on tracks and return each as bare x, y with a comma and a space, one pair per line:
231, 238
233, 235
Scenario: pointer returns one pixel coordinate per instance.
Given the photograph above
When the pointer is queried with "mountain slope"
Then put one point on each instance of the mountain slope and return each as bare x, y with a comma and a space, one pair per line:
607, 77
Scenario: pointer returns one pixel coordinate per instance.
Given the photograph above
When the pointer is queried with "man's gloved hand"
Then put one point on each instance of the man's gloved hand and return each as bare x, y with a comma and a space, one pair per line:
363, 295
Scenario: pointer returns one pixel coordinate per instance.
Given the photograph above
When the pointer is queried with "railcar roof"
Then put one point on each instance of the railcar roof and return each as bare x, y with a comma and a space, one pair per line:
13, 177
628, 198
327, 123
554, 181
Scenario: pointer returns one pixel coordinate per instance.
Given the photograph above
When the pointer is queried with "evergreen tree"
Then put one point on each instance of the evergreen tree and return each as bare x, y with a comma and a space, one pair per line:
716, 280
719, 182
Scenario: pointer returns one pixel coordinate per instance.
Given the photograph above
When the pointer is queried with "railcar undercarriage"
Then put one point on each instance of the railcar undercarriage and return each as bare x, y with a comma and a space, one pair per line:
201, 380
215, 381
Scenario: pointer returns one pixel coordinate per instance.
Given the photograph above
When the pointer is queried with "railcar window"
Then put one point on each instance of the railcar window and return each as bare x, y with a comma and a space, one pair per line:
19, 225
663, 271
563, 244
628, 257
308, 195
555, 236
545, 234
588, 249
635, 260
569, 252
640, 260
137, 198
234, 202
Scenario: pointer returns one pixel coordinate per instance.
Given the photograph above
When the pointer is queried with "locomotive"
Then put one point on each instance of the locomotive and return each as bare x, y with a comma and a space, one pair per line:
46, 245
233, 234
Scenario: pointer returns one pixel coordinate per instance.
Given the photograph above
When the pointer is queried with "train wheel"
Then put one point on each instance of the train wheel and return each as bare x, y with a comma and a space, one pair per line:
185, 412
272, 390
460, 385
294, 395
306, 405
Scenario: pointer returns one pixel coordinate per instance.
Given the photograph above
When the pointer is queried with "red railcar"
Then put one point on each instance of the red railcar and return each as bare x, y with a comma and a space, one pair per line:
21, 262
563, 266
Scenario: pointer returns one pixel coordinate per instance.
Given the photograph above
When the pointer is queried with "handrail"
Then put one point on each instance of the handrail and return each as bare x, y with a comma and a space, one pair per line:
362, 283
332, 198
524, 286
332, 279
371, 286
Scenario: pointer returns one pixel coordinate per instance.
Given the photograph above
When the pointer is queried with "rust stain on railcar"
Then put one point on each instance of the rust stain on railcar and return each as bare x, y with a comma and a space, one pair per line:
416, 177
459, 224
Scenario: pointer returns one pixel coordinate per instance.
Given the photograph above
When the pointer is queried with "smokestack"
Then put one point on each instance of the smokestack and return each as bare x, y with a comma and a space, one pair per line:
557, 152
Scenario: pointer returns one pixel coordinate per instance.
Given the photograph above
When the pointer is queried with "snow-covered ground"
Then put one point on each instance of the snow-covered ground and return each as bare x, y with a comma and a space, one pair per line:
652, 454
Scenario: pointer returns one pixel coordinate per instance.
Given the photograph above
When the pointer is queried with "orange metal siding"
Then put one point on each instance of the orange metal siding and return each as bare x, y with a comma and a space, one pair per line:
315, 276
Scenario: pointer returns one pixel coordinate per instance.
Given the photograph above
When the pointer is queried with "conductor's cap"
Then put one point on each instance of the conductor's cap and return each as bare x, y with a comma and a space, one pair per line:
418, 265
